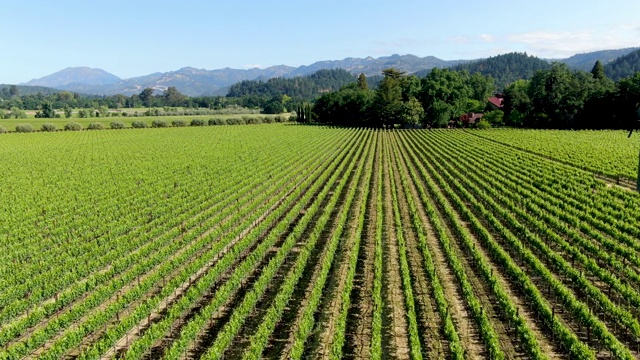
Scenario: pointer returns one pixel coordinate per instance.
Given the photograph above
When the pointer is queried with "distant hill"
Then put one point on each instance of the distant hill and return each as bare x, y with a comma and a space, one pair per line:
75, 75
506, 68
624, 66
26, 90
586, 61
372, 66
309, 86
189, 81
198, 82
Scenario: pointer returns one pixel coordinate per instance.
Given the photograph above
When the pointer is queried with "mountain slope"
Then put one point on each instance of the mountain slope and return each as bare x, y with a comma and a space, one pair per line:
371, 66
587, 60
197, 82
75, 75
506, 68
624, 66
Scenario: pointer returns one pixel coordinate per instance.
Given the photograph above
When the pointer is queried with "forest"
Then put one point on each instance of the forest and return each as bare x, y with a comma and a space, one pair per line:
554, 98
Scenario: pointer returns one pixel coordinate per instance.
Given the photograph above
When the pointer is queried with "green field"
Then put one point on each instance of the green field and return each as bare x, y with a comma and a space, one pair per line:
292, 241
609, 153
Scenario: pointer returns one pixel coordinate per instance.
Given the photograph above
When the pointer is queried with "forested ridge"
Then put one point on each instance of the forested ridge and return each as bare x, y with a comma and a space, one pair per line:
507, 68
623, 66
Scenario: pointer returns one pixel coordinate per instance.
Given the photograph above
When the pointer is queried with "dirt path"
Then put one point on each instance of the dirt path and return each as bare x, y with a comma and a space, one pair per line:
462, 318
332, 306
429, 321
395, 343
360, 317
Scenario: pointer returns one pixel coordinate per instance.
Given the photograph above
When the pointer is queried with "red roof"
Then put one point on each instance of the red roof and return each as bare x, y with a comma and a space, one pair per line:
496, 101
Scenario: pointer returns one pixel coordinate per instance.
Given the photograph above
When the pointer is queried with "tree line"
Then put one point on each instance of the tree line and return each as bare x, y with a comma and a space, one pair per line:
554, 98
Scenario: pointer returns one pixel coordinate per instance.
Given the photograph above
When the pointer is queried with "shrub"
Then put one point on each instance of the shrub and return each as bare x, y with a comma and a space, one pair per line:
73, 126
117, 125
235, 121
178, 123
217, 122
95, 126
138, 124
24, 128
48, 127
159, 124
253, 120
483, 124
3, 130
197, 122
268, 120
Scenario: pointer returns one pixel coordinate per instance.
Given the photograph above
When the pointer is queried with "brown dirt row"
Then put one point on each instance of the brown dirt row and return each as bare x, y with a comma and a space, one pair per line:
430, 325
331, 305
360, 315
395, 343
152, 292
461, 316
604, 264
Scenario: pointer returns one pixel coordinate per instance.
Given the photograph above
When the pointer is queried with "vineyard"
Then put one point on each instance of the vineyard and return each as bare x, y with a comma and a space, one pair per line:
608, 153
286, 242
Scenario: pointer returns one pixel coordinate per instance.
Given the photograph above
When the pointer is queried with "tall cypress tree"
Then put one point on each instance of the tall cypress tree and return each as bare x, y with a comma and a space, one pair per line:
362, 82
598, 71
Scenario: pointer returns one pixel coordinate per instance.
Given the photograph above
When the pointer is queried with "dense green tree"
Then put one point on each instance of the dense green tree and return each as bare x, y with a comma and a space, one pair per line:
362, 82
349, 106
388, 103
495, 118
13, 90
413, 113
68, 112
47, 111
146, 96
628, 100
598, 71
172, 97
444, 96
482, 87
274, 106
516, 103
557, 96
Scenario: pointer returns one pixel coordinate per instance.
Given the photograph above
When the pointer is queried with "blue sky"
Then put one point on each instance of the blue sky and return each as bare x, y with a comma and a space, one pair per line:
137, 37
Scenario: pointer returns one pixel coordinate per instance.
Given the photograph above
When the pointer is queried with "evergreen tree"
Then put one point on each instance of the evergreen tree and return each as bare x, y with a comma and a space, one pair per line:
362, 82
598, 71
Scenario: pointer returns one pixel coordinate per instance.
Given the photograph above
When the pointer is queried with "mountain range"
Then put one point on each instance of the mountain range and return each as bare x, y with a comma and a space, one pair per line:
200, 82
